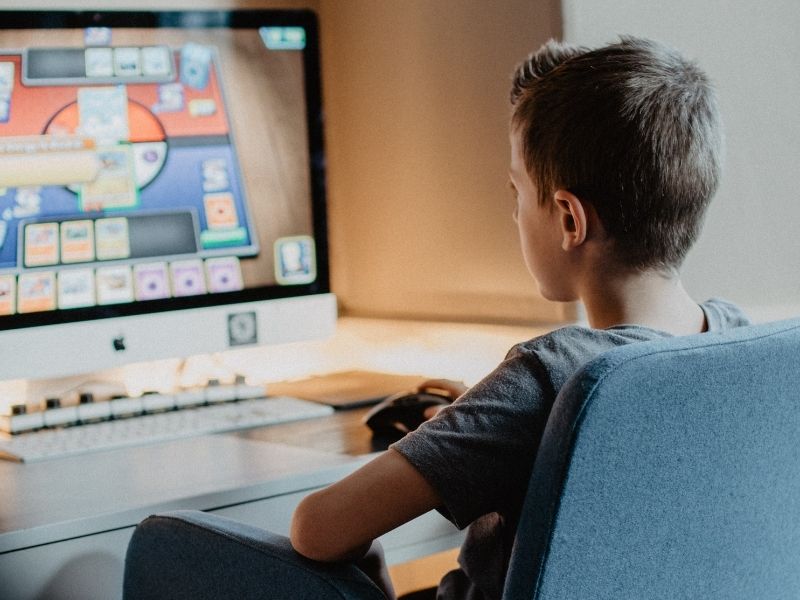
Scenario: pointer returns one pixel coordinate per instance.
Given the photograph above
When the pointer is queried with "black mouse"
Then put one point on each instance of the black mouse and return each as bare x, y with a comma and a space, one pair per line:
403, 412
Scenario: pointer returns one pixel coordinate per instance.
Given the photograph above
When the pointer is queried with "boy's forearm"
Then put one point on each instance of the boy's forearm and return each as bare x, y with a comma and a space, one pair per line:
312, 536
368, 557
341, 521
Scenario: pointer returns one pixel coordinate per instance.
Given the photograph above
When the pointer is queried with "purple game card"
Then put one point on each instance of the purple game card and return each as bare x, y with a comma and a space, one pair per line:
152, 281
224, 274
187, 278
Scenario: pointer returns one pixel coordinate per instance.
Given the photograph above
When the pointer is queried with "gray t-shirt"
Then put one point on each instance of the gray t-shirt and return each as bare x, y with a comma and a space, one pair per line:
478, 453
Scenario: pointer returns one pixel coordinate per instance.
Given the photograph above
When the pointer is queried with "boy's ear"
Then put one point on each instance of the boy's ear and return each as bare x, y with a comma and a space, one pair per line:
573, 216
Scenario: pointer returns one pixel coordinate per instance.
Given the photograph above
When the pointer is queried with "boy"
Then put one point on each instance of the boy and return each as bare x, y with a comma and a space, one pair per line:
615, 155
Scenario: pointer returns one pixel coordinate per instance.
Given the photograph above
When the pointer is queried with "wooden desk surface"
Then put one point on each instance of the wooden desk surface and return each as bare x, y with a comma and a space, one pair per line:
341, 433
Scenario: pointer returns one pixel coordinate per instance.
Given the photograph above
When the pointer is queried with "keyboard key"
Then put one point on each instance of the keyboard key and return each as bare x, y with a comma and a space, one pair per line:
125, 407
220, 393
94, 411
247, 392
22, 421
64, 415
190, 397
158, 402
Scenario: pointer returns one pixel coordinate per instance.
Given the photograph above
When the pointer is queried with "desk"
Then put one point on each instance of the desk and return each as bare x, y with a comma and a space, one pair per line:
65, 524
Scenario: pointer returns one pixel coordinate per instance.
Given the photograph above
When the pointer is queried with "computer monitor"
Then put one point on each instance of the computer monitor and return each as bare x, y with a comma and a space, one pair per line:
161, 187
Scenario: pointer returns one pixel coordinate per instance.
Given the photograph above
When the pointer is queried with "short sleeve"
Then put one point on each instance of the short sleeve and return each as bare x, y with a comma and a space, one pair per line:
721, 314
478, 452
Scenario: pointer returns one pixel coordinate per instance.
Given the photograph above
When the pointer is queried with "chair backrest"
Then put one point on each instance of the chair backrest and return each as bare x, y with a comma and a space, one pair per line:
670, 469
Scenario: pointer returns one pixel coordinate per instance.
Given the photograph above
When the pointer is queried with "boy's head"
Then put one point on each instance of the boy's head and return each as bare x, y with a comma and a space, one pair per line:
632, 129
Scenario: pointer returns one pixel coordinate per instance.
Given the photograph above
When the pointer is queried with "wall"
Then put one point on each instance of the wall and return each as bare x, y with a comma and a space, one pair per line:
749, 251
417, 103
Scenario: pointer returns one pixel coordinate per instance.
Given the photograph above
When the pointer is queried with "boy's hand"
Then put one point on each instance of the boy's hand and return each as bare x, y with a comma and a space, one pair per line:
450, 387
432, 411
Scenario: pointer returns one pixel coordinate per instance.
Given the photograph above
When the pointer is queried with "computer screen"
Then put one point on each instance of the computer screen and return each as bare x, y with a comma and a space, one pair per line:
161, 177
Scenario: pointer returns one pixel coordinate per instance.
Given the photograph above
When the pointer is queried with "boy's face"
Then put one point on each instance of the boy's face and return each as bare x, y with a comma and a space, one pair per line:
539, 231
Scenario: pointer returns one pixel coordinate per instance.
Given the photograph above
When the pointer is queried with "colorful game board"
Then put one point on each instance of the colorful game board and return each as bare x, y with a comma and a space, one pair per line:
154, 121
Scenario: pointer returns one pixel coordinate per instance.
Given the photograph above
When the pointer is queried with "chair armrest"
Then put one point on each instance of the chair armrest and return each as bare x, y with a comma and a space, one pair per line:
195, 555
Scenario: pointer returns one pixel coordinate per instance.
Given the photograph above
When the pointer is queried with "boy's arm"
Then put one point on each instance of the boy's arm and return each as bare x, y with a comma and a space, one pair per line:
341, 521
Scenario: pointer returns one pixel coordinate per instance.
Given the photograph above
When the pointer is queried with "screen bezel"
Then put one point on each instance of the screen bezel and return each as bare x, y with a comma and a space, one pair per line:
197, 19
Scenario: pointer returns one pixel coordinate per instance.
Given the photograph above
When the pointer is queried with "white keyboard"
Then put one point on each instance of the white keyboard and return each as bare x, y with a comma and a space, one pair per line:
161, 427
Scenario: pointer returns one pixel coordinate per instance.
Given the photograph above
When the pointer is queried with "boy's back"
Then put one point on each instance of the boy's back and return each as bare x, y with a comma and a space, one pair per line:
615, 156
478, 454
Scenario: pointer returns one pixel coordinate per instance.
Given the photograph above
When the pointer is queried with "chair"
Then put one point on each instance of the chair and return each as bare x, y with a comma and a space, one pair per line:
668, 469
192, 555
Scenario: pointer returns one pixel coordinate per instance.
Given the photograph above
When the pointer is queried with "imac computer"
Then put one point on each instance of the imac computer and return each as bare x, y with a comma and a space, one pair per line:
161, 187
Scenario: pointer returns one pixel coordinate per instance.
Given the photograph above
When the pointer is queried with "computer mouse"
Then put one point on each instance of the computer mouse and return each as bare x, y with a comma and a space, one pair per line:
403, 412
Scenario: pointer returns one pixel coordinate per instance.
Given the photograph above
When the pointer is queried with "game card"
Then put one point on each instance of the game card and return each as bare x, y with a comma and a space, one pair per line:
115, 183
187, 278
76, 288
156, 61
41, 244
170, 98
295, 260
103, 113
28, 202
224, 274
111, 238
77, 241
195, 65
151, 281
220, 211
99, 62
36, 291
202, 107
97, 36
8, 294
127, 62
215, 175
114, 284
6, 88
6, 78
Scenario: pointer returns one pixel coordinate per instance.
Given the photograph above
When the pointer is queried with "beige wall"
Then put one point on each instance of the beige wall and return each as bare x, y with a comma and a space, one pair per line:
416, 125
417, 104
749, 250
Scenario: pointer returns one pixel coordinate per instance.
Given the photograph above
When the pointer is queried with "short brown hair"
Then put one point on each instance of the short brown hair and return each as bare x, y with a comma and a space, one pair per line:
632, 128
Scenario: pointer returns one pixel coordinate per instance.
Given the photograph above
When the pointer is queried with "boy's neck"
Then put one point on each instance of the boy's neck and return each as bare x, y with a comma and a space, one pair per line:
650, 299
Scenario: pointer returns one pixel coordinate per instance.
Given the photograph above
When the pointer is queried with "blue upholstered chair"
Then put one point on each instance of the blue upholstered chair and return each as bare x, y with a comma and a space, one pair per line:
668, 469
191, 555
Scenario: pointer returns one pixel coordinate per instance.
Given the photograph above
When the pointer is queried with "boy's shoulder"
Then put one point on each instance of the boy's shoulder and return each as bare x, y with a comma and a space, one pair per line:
560, 353
554, 357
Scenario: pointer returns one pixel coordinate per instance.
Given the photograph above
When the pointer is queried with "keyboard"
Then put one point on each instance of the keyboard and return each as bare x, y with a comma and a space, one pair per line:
146, 429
